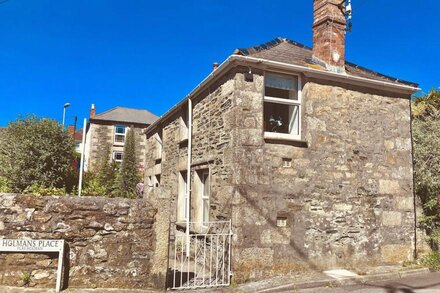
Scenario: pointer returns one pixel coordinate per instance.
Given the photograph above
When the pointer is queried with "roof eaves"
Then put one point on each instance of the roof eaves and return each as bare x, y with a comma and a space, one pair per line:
382, 75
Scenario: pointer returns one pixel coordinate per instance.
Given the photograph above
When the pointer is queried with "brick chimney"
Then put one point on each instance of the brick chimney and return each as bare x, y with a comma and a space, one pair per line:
329, 26
92, 111
70, 130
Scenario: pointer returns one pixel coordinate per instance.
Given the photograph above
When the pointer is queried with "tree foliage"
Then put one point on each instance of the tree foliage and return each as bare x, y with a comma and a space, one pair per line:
127, 177
426, 135
100, 182
35, 151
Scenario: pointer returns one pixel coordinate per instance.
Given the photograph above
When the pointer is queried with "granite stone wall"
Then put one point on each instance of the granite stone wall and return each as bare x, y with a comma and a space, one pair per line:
346, 197
110, 243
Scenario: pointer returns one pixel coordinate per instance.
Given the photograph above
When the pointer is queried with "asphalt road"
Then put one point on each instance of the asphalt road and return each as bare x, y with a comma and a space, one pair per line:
421, 283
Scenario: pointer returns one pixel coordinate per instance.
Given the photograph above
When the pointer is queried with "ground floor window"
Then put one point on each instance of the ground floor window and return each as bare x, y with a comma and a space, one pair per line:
182, 212
203, 188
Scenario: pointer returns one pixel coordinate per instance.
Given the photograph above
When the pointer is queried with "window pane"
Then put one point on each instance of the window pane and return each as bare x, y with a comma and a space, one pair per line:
281, 82
281, 118
284, 87
205, 210
118, 156
294, 120
120, 129
205, 181
119, 138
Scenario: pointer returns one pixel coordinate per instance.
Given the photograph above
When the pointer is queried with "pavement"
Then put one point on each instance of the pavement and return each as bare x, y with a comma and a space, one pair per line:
389, 279
332, 279
427, 283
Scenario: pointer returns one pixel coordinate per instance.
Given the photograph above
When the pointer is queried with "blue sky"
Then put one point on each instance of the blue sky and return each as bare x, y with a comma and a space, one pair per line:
150, 54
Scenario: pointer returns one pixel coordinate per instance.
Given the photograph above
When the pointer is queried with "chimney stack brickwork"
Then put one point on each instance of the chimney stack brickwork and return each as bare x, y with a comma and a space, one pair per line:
92, 111
329, 26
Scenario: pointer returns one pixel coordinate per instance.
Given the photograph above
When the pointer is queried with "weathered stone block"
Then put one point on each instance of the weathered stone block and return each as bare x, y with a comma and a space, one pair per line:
389, 186
405, 203
391, 218
275, 236
396, 253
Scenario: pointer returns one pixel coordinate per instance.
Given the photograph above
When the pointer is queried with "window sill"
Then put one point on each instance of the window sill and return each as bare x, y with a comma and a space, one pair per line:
284, 138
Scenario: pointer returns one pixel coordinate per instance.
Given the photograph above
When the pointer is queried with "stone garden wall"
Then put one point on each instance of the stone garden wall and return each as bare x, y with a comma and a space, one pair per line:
109, 242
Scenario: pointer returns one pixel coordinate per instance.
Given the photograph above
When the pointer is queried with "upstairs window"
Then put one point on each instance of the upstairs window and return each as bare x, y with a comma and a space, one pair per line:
282, 106
120, 132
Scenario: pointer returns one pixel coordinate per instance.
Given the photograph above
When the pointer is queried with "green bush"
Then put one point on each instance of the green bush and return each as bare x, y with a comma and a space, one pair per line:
36, 152
93, 186
40, 190
432, 260
426, 137
4, 185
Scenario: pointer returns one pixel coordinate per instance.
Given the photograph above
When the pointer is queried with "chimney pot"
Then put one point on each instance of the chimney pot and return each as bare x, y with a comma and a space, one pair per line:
92, 111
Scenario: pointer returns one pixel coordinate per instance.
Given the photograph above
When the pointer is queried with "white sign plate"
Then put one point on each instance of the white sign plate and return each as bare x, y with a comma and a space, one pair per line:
39, 245
31, 245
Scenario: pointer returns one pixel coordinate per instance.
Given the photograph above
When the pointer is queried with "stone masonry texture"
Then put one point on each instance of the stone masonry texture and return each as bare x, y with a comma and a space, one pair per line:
102, 134
347, 197
110, 242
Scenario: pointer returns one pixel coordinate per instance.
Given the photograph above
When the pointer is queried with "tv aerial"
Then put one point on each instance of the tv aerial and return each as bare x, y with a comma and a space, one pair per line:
348, 15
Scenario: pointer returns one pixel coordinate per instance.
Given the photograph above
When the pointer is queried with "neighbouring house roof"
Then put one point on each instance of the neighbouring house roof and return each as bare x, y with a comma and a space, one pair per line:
291, 52
126, 115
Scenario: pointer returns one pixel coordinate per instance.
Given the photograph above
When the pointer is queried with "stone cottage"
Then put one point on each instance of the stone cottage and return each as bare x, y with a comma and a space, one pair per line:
110, 128
307, 154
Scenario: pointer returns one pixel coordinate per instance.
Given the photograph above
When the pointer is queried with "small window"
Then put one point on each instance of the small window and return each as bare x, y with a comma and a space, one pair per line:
118, 156
281, 221
282, 106
183, 125
120, 132
157, 180
287, 163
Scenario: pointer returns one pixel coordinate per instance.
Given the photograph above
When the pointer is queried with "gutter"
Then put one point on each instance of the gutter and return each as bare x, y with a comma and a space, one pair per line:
307, 71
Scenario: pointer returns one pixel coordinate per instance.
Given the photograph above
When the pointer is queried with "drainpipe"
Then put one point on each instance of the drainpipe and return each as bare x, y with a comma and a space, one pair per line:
188, 174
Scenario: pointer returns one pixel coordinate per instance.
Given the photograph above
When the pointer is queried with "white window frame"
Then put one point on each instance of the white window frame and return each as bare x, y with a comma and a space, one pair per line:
202, 196
114, 156
119, 134
288, 102
182, 211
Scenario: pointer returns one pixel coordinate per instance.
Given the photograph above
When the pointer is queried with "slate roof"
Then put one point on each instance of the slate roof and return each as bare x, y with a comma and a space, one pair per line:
291, 52
126, 115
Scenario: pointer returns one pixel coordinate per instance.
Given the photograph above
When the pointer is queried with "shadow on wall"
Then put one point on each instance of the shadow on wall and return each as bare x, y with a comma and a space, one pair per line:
181, 278
251, 202
66, 269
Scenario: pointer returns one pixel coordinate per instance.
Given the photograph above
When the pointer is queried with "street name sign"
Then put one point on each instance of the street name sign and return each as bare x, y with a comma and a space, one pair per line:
37, 245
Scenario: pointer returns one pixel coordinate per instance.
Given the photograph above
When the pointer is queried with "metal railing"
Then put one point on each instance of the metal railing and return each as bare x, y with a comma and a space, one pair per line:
206, 261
